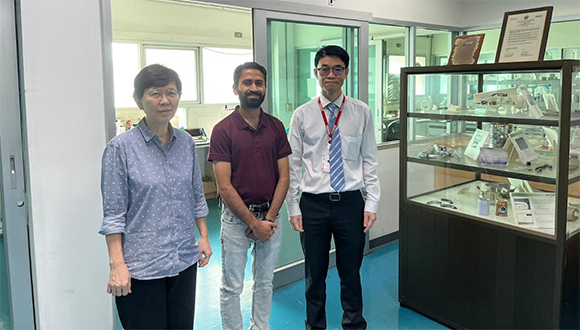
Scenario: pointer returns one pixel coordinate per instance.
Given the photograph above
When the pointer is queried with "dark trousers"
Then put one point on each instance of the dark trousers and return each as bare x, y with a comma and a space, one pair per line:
322, 219
165, 303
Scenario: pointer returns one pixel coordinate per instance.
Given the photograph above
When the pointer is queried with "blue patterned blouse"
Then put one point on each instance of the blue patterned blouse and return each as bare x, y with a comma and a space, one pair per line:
152, 194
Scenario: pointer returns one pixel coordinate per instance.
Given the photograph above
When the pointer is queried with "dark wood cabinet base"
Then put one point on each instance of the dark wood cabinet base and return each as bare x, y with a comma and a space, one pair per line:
471, 275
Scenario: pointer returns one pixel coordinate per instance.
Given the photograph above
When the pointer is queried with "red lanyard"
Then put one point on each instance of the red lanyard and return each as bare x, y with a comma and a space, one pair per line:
330, 132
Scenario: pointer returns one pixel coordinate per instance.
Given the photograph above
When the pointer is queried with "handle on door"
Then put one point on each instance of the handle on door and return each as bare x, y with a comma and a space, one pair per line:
13, 171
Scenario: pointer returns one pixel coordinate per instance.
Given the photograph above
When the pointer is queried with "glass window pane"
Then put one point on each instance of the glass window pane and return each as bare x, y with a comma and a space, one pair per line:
433, 45
563, 41
183, 61
125, 68
489, 47
386, 58
291, 63
218, 70
292, 47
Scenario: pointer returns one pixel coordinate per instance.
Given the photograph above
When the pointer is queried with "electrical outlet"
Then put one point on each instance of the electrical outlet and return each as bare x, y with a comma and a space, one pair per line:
289, 107
238, 34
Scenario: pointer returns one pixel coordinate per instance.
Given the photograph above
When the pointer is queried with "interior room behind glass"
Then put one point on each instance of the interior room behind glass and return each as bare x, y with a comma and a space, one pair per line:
204, 51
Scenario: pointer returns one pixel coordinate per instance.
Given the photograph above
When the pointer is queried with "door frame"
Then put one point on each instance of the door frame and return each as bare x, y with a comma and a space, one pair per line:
294, 271
13, 190
260, 19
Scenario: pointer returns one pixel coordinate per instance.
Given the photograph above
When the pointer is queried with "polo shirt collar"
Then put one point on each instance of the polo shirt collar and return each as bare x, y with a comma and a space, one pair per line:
148, 135
326, 101
241, 122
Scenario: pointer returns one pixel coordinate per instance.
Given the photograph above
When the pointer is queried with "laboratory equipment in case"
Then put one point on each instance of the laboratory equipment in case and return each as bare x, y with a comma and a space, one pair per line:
489, 231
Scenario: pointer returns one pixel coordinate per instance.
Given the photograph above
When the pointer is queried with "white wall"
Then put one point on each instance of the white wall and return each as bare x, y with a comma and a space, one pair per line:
439, 12
488, 12
388, 213
63, 76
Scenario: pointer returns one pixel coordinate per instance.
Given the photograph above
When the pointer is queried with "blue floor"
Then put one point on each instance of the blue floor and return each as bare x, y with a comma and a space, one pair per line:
380, 291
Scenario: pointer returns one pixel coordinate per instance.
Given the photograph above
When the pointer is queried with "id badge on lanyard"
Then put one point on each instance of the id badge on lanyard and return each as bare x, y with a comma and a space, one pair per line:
326, 159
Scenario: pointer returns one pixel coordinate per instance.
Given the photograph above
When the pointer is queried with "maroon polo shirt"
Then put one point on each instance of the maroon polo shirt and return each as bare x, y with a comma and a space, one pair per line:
253, 154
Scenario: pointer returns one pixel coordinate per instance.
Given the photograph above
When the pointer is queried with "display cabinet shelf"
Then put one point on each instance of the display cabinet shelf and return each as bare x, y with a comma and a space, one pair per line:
522, 119
463, 203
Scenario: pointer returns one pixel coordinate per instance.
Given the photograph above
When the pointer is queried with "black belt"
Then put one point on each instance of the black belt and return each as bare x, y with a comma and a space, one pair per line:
334, 196
259, 208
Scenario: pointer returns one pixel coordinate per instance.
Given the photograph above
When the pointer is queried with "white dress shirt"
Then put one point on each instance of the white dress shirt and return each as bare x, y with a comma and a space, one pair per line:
309, 141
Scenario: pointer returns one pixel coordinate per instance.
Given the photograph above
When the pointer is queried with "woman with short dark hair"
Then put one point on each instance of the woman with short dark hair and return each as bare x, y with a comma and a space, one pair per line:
153, 201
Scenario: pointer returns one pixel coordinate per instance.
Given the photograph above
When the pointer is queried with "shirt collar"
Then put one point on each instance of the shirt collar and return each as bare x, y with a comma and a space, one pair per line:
241, 122
148, 135
326, 102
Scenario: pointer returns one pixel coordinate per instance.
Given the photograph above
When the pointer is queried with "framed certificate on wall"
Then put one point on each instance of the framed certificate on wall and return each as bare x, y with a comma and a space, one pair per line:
524, 34
466, 49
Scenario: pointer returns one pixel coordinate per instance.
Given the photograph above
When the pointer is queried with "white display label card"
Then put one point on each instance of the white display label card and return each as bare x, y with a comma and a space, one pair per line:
537, 210
522, 146
477, 141
533, 106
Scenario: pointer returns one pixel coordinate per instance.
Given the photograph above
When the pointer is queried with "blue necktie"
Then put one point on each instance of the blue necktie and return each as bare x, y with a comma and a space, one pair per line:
336, 170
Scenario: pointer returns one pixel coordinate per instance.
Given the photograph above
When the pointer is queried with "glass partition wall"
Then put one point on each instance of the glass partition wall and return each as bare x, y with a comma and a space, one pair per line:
291, 62
388, 53
289, 45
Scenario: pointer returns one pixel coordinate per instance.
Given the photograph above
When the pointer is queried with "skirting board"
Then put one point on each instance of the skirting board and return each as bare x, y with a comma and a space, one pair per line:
380, 241
295, 271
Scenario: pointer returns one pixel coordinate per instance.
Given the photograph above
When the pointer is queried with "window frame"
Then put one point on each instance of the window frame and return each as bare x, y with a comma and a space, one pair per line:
197, 48
202, 72
198, 66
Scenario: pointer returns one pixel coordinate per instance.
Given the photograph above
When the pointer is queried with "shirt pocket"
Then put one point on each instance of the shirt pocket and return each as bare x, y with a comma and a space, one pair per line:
351, 146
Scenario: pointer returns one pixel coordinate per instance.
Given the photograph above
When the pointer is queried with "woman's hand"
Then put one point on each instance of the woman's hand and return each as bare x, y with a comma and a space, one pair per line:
204, 251
119, 280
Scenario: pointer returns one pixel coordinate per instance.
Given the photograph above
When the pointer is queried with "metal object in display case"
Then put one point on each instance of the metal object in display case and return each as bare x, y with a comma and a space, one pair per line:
499, 134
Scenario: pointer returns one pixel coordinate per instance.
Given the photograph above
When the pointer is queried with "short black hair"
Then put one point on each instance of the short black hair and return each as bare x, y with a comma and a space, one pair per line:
154, 75
332, 50
246, 66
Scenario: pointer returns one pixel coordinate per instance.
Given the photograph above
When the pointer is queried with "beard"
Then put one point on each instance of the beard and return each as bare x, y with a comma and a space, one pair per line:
248, 103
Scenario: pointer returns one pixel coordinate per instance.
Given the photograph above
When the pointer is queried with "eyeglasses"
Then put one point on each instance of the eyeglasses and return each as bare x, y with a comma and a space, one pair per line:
169, 93
337, 70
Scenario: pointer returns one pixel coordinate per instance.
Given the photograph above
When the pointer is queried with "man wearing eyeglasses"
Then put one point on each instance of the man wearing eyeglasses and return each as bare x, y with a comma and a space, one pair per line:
332, 140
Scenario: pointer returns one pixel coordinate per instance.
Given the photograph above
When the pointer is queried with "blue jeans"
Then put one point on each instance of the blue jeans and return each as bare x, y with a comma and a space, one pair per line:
235, 247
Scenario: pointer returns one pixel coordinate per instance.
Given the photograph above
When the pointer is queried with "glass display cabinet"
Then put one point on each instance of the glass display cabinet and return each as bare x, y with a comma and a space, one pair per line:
490, 194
